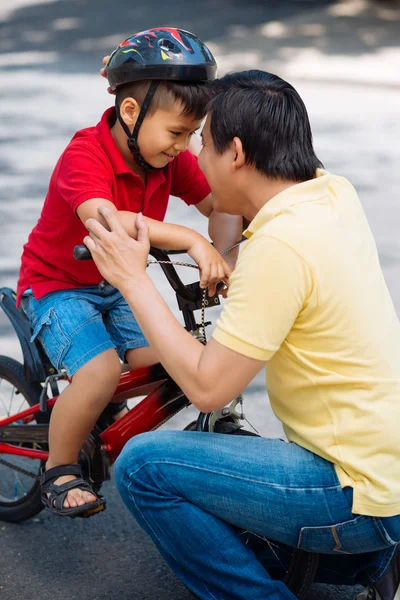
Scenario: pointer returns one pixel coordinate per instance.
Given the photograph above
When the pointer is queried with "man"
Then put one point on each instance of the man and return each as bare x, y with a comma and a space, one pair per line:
308, 301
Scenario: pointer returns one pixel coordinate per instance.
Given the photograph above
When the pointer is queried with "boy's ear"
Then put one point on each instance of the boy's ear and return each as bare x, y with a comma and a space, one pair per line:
129, 110
239, 155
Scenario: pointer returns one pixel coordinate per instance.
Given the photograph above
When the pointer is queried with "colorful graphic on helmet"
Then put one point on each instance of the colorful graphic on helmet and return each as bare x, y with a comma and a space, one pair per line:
161, 53
171, 46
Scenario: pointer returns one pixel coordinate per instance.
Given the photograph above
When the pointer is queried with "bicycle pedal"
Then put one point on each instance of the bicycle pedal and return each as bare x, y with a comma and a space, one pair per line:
91, 512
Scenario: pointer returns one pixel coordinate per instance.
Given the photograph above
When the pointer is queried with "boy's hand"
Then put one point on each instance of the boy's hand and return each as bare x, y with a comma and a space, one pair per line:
213, 268
103, 73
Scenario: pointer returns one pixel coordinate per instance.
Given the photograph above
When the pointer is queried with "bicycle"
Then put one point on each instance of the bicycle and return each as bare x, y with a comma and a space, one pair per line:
24, 433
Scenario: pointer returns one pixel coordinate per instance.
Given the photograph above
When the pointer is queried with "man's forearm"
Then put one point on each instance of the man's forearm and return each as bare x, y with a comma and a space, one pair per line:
162, 235
179, 352
225, 230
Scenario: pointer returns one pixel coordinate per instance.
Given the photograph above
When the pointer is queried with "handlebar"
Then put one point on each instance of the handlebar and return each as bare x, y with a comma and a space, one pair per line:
81, 252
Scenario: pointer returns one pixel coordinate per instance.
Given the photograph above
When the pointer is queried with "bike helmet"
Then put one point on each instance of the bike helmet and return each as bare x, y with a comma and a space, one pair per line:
161, 53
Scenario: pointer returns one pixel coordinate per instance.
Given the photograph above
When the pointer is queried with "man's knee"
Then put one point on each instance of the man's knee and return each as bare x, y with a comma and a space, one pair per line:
141, 450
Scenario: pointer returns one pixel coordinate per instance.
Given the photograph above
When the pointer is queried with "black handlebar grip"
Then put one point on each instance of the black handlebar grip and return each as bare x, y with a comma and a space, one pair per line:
81, 252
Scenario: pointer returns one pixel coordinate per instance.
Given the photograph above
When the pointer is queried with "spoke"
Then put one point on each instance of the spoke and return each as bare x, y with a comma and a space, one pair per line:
19, 483
21, 405
1, 397
11, 401
19, 473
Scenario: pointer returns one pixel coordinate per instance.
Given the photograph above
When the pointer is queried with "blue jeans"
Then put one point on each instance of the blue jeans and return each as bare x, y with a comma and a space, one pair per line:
77, 325
195, 493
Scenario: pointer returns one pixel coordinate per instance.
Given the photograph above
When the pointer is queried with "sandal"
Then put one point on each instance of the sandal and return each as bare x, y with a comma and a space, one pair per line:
58, 493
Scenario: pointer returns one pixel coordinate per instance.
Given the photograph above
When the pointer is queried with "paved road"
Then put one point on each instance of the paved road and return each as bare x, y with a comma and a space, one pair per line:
49, 56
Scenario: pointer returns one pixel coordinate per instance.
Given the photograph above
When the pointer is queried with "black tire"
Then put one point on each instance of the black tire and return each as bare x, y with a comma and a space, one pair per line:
30, 504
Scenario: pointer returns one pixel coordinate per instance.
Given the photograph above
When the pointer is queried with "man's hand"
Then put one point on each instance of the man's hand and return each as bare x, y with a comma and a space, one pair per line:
103, 73
121, 260
213, 268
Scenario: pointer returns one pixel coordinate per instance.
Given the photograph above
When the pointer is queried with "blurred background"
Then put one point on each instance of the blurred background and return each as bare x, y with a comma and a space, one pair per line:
342, 56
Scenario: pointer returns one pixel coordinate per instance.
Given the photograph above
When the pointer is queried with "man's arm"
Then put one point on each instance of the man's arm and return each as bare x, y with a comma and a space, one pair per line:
210, 376
223, 229
213, 267
253, 325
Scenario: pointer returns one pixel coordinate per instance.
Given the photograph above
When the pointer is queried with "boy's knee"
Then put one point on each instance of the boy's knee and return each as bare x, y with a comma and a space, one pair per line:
103, 371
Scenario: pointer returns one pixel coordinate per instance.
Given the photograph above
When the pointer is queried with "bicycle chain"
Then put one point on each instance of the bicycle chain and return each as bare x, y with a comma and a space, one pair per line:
203, 339
19, 469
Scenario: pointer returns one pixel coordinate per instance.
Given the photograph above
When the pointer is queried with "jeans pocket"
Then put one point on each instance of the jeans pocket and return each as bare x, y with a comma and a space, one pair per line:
359, 535
49, 331
391, 526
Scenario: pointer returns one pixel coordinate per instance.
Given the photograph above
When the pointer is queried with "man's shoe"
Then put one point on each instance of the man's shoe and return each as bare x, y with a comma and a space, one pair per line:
388, 586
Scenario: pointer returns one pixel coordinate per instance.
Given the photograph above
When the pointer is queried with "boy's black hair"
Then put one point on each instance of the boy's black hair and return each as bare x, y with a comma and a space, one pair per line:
193, 97
271, 120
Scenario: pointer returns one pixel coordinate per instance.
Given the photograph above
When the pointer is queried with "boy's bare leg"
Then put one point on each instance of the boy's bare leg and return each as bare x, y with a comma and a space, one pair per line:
136, 358
75, 413
141, 357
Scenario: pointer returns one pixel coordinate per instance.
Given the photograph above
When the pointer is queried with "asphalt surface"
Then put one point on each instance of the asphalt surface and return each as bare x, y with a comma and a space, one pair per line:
340, 56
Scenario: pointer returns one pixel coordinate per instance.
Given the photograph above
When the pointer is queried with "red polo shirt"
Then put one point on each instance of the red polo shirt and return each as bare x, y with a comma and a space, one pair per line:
92, 167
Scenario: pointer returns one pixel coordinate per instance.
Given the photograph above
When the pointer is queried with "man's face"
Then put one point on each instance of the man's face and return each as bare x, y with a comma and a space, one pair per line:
166, 133
218, 171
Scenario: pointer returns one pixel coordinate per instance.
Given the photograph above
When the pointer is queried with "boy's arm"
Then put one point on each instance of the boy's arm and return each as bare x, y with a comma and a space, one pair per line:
213, 267
223, 229
162, 235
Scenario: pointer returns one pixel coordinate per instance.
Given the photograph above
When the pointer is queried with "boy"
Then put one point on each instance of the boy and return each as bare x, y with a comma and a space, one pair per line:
83, 323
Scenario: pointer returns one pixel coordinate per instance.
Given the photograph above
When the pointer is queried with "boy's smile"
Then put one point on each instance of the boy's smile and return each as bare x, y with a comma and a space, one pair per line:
170, 157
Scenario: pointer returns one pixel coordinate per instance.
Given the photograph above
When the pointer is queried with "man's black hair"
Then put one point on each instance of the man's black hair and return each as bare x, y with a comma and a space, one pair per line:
193, 97
271, 120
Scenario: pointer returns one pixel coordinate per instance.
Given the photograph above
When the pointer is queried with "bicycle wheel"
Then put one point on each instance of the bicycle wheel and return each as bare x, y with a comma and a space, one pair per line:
19, 484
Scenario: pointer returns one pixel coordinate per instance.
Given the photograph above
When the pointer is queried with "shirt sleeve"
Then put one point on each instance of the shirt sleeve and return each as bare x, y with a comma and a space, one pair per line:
188, 181
83, 175
268, 289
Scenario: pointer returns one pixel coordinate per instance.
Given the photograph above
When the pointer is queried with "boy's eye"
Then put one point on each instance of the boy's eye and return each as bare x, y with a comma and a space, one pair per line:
175, 133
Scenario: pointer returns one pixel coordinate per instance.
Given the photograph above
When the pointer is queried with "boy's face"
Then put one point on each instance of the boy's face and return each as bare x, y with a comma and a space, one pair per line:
166, 133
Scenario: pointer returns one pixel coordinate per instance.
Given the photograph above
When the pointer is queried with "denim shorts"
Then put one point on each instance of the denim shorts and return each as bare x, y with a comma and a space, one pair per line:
76, 325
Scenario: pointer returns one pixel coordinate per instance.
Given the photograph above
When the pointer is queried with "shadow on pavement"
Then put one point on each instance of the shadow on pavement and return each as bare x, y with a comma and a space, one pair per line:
93, 27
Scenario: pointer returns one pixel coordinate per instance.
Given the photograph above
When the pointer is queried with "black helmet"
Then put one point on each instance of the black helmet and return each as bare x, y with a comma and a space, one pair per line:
161, 53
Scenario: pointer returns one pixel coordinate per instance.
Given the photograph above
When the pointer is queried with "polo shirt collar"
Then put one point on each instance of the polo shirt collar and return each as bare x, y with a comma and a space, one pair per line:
114, 154
306, 191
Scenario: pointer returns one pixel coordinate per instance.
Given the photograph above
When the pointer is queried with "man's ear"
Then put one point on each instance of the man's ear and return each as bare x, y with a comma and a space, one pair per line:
240, 158
129, 110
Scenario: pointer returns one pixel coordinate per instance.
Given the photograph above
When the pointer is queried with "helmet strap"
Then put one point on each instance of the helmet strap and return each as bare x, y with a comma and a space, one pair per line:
133, 137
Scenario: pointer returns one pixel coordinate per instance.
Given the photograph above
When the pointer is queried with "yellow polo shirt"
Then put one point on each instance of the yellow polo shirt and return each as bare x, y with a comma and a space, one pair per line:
309, 298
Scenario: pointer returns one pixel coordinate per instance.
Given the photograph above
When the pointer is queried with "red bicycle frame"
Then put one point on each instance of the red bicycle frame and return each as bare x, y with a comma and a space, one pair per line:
160, 405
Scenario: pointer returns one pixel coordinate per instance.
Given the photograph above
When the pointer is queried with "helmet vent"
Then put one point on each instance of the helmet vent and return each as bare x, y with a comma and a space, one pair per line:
167, 46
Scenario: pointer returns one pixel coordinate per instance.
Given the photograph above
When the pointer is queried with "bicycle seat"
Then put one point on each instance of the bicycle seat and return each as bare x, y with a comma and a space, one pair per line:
36, 363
